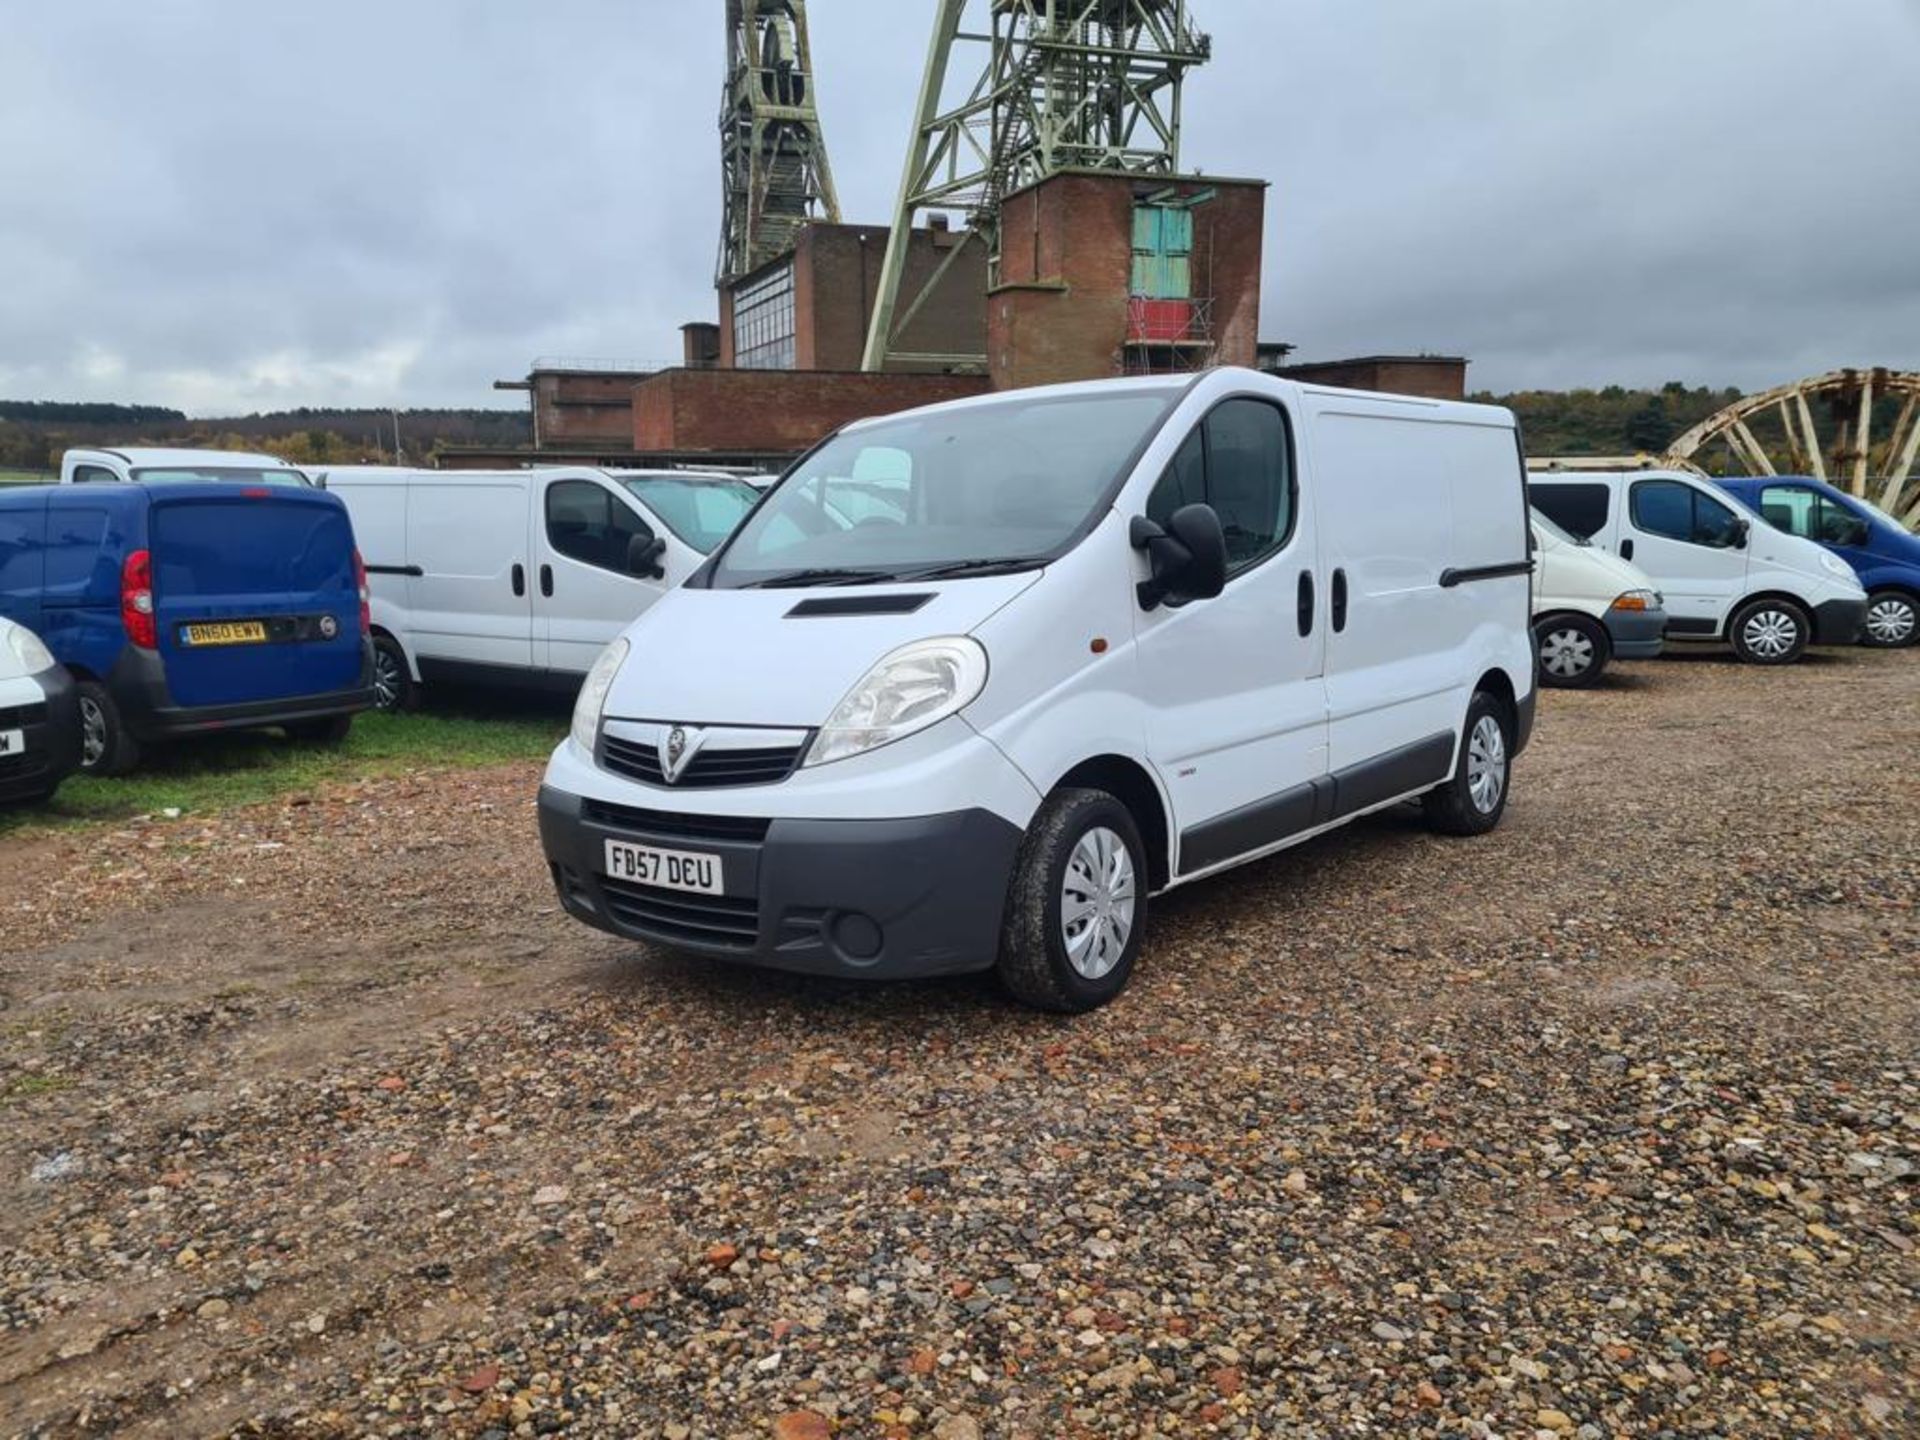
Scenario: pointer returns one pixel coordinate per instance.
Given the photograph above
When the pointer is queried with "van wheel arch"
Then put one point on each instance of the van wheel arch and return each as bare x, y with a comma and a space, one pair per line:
1129, 783
1499, 684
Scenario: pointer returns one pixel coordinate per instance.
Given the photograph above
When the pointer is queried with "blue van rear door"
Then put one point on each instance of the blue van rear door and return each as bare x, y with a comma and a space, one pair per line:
254, 594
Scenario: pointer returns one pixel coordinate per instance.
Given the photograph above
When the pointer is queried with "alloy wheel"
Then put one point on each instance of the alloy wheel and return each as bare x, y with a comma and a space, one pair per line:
1099, 900
1770, 634
1891, 620
1566, 654
1487, 765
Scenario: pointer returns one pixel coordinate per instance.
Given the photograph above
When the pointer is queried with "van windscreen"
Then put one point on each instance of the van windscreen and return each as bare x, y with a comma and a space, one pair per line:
1006, 485
209, 548
700, 512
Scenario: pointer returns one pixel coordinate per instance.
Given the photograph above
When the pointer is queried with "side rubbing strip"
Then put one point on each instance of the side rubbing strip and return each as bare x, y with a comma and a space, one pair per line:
1251, 827
1319, 802
1450, 578
1398, 772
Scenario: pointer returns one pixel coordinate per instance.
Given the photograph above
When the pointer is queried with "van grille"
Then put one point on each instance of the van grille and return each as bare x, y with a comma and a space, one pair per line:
709, 770
725, 921
738, 828
17, 715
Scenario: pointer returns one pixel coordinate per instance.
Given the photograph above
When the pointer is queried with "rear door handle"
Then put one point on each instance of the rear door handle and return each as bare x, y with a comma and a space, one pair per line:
519, 579
1339, 601
546, 581
1306, 603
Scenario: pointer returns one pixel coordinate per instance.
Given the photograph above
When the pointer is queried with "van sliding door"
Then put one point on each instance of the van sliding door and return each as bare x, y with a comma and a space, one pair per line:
471, 605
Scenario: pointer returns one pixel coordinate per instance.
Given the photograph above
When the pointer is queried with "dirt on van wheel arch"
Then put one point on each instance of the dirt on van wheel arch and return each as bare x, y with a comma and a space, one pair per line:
320, 1121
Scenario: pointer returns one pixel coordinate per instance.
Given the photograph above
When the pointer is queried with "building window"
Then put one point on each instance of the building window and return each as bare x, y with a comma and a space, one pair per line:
763, 324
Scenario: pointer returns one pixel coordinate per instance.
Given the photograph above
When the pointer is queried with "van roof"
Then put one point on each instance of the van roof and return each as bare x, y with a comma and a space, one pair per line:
137, 456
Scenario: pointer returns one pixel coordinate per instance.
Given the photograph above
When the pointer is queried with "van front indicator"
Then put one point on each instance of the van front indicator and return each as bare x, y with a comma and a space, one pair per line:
916, 686
1637, 600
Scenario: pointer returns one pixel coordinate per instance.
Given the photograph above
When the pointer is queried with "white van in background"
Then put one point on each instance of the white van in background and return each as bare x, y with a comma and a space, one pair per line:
1726, 573
521, 577
158, 466
1589, 608
973, 681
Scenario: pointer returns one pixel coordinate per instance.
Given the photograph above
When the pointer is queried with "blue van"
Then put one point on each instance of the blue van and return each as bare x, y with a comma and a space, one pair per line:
1883, 553
183, 609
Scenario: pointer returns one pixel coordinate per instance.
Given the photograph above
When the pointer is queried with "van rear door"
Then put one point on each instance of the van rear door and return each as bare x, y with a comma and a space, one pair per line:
254, 594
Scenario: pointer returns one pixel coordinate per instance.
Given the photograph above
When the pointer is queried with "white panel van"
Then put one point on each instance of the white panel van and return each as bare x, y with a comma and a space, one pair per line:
1589, 608
521, 577
1725, 572
974, 681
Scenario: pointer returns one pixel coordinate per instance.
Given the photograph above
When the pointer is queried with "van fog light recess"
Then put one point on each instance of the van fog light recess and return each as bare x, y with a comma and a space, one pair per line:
856, 936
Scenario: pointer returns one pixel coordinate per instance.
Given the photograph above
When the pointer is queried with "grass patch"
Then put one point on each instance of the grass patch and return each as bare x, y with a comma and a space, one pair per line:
198, 777
25, 1087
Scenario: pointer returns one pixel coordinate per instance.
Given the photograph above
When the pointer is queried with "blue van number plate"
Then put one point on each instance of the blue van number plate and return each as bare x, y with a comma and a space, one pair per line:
665, 869
243, 632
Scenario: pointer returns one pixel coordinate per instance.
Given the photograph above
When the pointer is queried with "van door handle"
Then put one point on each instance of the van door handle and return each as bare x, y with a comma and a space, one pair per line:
1626, 549
1306, 603
519, 579
1339, 601
546, 581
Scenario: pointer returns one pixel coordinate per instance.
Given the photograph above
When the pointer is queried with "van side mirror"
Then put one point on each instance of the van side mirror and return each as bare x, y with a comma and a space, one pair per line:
1188, 556
1742, 532
643, 556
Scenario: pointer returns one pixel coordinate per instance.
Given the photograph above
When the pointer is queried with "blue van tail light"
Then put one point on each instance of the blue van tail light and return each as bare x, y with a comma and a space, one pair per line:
136, 600
366, 596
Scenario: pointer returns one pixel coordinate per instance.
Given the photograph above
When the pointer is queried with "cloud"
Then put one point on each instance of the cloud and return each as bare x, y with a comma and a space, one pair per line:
229, 206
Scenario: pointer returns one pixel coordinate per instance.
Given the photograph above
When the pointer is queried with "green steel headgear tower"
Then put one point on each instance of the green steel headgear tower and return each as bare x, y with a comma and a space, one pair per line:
1058, 85
773, 156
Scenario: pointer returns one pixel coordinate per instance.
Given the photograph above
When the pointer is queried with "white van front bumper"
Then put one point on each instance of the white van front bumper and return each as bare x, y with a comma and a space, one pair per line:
895, 866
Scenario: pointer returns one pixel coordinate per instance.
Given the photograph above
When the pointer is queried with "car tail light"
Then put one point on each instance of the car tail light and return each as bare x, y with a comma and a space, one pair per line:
366, 595
136, 600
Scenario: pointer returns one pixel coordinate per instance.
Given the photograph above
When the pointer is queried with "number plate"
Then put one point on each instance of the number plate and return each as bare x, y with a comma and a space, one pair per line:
238, 632
13, 742
665, 869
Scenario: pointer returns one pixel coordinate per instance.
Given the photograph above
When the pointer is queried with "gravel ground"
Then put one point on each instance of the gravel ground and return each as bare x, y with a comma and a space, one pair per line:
319, 1120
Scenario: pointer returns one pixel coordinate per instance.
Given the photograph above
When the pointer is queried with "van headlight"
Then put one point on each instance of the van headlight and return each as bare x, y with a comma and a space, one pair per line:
1835, 565
28, 650
593, 694
916, 686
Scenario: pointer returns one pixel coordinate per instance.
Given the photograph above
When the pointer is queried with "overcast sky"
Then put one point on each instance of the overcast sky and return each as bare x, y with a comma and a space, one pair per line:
225, 205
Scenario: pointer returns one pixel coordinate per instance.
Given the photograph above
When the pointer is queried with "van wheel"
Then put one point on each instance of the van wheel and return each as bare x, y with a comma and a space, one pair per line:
333, 730
1078, 905
1769, 632
1574, 649
106, 748
1893, 620
393, 689
1472, 802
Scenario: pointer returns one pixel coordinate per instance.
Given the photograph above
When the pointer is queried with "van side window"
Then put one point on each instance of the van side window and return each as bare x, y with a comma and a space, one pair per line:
586, 523
92, 475
1680, 512
1580, 510
1239, 461
1811, 515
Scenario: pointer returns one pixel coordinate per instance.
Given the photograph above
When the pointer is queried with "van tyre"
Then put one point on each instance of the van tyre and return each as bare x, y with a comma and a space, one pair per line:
1893, 620
1472, 802
332, 730
393, 687
106, 746
1770, 632
1077, 906
1574, 649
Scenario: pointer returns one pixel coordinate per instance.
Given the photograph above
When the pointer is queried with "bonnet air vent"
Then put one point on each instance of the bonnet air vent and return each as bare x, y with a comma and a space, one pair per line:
858, 605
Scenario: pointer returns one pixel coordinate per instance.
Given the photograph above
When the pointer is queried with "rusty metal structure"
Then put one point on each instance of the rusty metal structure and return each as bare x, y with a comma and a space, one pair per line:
1016, 91
1870, 420
773, 156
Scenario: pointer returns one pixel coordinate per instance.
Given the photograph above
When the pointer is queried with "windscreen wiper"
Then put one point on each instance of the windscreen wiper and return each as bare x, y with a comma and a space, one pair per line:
960, 569
828, 575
